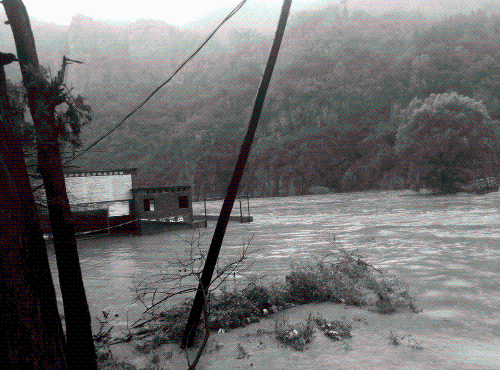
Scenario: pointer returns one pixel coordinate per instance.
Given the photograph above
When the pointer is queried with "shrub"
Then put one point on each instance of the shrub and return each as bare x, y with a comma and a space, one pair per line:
344, 277
174, 320
335, 330
278, 294
323, 281
259, 295
339, 277
305, 286
231, 310
447, 139
295, 336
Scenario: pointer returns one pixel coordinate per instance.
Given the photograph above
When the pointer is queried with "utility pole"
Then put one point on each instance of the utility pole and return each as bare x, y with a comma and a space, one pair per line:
227, 206
80, 351
31, 335
61, 74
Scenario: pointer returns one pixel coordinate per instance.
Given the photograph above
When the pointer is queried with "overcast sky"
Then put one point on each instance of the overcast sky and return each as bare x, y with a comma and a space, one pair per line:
177, 12
181, 12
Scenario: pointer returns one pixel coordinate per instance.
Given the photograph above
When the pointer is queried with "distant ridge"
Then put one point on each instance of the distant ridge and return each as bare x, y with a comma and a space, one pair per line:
258, 16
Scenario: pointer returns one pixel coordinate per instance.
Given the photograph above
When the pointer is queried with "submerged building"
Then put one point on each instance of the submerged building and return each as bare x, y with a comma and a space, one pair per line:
164, 206
106, 201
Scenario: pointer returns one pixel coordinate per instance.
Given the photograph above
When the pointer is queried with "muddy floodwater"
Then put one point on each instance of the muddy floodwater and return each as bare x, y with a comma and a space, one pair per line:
445, 247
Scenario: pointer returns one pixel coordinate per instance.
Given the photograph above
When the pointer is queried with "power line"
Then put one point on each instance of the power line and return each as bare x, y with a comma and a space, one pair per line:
233, 12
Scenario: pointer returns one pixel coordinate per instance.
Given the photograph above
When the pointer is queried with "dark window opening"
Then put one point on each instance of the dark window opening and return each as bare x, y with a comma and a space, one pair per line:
149, 205
183, 201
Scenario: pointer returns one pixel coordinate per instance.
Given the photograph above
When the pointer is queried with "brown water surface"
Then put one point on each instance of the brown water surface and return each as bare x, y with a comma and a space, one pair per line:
445, 247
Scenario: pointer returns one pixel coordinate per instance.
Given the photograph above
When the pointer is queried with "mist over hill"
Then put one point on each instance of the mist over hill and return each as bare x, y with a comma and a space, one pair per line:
334, 104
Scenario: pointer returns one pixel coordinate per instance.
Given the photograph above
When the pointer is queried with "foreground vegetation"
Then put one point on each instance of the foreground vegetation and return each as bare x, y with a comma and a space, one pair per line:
341, 277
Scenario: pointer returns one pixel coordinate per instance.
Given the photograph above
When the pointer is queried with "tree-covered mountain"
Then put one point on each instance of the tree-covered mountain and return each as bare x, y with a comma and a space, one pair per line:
337, 96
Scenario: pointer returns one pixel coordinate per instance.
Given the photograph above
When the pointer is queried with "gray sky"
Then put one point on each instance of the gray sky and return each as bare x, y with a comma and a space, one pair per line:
177, 12
180, 12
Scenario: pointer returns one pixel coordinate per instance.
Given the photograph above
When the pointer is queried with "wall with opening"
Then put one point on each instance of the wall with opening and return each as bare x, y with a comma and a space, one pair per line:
164, 204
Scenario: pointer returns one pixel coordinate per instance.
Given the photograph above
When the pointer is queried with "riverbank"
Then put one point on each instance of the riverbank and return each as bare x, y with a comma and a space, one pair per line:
386, 329
403, 340
445, 248
339, 277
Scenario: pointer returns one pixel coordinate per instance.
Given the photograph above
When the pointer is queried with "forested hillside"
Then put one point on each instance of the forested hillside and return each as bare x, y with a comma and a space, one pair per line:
335, 102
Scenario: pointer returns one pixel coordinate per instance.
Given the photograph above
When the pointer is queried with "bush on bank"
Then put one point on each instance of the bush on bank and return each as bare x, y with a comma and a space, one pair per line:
340, 278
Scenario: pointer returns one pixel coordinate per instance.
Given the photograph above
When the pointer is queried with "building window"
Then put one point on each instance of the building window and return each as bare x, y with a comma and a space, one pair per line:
183, 201
149, 205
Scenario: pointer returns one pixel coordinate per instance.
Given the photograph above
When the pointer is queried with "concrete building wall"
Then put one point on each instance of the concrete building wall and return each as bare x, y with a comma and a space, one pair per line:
164, 204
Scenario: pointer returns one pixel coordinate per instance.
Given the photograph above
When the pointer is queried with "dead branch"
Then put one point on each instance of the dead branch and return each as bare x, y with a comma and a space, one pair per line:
179, 277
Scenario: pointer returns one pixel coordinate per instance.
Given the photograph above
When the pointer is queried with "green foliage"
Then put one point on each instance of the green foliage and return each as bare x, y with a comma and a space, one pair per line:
447, 139
346, 277
337, 281
226, 311
278, 294
70, 119
17, 98
339, 277
174, 321
259, 295
70, 113
335, 99
232, 310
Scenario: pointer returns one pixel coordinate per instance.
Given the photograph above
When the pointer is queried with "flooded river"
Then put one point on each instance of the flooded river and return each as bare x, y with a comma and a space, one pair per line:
445, 247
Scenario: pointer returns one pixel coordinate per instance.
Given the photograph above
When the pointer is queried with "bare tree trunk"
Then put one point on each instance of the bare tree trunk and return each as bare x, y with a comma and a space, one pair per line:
80, 352
31, 335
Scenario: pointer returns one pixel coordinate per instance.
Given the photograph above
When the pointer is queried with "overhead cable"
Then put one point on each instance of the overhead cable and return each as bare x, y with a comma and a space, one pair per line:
233, 12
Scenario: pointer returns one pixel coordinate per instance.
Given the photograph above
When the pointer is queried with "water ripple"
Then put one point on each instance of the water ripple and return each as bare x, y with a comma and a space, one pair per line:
445, 247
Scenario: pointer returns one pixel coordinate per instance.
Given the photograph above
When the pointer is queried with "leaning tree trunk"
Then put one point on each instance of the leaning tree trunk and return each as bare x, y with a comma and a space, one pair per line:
31, 335
80, 352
